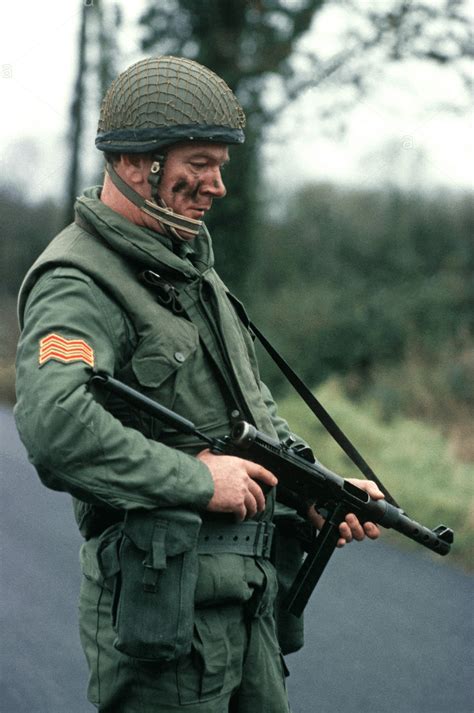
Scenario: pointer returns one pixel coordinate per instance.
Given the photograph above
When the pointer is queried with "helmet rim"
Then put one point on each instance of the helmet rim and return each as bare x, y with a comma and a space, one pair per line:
151, 139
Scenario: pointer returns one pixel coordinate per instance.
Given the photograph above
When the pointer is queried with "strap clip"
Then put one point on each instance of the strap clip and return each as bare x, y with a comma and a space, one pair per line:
166, 293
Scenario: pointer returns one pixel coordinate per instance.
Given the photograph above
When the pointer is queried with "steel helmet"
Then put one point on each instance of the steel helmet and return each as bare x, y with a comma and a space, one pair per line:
161, 100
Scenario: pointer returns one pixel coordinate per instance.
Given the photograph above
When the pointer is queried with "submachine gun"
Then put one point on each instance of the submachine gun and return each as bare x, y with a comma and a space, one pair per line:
300, 484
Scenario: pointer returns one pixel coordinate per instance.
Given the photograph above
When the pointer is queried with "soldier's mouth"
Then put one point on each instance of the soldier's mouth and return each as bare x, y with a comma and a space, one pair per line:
200, 209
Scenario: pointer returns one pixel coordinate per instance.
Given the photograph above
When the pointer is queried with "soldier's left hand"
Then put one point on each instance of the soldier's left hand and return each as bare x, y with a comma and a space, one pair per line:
351, 528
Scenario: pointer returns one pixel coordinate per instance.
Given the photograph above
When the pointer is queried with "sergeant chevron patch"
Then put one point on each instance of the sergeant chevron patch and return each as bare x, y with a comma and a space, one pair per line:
66, 350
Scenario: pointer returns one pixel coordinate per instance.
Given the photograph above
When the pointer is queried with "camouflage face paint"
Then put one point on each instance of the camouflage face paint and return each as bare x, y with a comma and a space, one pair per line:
193, 194
189, 191
179, 186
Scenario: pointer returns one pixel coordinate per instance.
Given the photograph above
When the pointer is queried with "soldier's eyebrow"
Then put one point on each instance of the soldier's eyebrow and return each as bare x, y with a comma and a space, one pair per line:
203, 154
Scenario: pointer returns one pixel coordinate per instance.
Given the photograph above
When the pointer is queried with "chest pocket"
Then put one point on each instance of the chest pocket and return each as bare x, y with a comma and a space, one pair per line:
161, 356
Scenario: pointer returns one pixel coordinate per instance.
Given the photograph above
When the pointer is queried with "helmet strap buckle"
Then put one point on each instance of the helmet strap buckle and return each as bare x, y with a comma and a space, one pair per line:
155, 174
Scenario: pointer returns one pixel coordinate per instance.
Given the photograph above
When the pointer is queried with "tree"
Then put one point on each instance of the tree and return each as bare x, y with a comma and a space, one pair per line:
95, 71
77, 117
257, 47
379, 276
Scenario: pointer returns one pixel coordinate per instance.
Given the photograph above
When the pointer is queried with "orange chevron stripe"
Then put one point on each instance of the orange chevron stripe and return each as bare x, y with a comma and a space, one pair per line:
65, 348
66, 360
67, 356
66, 343
53, 346
67, 352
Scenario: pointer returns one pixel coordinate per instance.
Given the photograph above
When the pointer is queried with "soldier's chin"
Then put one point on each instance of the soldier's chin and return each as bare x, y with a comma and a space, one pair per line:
185, 235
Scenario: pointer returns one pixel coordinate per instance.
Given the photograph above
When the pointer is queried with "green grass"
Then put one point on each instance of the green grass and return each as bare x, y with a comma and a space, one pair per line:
412, 459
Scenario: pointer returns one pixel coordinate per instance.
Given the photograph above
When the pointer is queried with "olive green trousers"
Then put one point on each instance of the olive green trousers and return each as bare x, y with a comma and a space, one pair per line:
235, 665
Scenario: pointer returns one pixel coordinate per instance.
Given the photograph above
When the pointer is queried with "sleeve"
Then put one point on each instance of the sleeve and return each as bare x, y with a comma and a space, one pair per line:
70, 326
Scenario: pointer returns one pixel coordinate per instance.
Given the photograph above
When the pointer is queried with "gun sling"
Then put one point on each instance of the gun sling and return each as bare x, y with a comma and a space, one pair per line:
312, 402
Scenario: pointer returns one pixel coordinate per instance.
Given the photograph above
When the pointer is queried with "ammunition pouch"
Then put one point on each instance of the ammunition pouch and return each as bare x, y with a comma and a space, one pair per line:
151, 561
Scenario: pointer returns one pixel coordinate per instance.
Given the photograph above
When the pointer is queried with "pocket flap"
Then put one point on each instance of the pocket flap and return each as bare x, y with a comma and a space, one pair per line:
138, 527
154, 361
174, 530
182, 534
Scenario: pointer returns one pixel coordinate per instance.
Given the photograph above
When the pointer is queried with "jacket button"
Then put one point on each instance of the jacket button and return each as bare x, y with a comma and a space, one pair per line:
179, 356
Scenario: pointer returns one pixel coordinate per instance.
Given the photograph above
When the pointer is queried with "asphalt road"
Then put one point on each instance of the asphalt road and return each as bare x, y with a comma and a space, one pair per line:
386, 631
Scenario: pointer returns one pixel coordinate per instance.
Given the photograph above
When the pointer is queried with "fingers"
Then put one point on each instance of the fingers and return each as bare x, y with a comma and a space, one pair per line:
255, 497
369, 486
374, 491
237, 484
256, 493
258, 472
240, 513
371, 530
254, 501
315, 518
352, 529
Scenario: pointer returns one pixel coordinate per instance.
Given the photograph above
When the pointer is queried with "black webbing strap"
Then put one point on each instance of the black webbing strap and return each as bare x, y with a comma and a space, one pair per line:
314, 404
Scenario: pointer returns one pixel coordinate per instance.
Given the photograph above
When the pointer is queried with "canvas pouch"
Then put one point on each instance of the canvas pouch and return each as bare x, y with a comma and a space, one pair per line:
151, 562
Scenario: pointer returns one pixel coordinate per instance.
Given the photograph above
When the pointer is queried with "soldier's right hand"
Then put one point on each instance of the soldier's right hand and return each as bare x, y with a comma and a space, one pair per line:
235, 486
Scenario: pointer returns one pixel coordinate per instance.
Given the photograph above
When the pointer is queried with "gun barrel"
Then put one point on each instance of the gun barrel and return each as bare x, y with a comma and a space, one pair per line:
438, 540
314, 482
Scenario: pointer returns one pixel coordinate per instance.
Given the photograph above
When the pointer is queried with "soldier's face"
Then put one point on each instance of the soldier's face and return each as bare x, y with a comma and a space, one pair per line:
192, 178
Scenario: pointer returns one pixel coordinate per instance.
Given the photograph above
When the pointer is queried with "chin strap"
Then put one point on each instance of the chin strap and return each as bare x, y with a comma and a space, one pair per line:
171, 221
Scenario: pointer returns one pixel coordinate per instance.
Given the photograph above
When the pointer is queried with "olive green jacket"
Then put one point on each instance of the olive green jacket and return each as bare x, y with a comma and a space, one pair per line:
86, 287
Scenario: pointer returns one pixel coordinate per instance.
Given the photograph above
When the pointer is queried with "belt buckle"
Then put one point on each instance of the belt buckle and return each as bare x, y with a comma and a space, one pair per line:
263, 540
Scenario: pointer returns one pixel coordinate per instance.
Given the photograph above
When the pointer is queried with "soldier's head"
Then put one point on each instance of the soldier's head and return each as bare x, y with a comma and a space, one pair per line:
164, 127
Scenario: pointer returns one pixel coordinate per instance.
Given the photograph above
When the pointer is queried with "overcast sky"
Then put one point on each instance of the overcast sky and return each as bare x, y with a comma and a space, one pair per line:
398, 134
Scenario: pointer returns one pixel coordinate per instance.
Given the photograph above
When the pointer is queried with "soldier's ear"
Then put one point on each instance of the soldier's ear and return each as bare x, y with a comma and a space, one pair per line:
135, 168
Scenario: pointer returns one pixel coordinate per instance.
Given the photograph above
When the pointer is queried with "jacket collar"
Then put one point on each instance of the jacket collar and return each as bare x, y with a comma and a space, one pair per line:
142, 245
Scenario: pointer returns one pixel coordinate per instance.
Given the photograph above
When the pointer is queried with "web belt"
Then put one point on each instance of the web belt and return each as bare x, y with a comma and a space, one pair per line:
248, 538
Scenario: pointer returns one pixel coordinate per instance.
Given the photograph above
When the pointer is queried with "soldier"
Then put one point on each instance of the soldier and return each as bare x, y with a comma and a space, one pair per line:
177, 604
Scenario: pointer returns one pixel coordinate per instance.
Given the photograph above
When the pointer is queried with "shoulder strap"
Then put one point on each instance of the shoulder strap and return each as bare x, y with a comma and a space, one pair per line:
312, 402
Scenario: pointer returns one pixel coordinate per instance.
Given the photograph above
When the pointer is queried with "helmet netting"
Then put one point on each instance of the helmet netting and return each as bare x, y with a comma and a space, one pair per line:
166, 92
